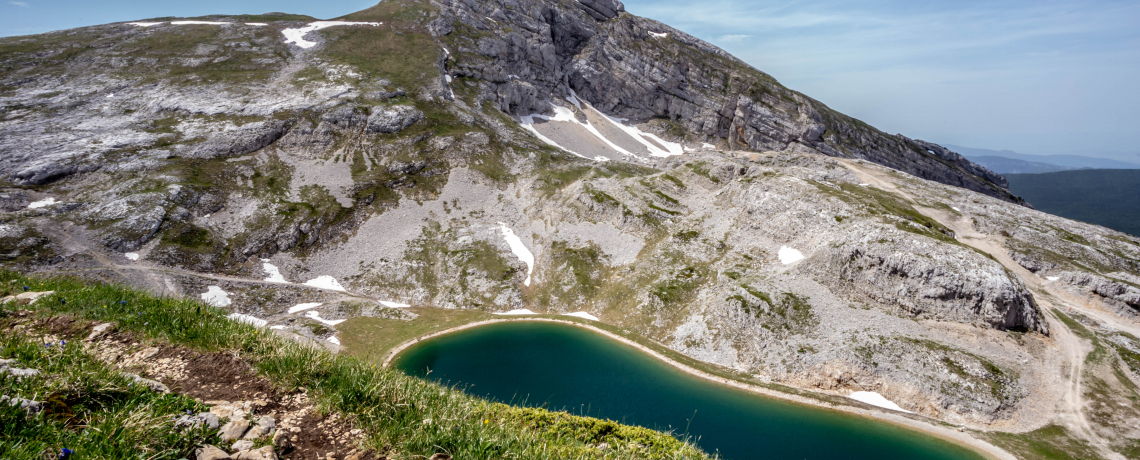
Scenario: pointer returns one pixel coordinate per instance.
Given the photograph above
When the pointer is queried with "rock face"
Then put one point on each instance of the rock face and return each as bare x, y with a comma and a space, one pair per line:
640, 69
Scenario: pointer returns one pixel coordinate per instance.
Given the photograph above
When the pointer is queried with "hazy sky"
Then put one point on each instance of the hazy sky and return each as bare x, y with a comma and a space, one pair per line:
1040, 76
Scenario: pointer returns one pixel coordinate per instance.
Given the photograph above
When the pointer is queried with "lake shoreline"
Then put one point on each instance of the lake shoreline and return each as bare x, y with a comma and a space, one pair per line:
982, 447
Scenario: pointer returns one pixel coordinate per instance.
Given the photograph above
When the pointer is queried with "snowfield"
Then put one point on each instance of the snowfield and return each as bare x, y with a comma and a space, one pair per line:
297, 36
215, 296
252, 320
325, 282
790, 256
877, 400
519, 249
272, 271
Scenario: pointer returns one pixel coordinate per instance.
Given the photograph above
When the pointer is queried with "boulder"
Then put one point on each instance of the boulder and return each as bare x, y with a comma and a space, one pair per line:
234, 430
208, 452
386, 120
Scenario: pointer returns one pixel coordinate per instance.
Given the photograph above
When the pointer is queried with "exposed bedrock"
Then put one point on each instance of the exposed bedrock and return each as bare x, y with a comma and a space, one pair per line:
938, 281
527, 53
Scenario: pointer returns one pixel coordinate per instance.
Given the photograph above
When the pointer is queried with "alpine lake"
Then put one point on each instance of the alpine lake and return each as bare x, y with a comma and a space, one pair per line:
563, 367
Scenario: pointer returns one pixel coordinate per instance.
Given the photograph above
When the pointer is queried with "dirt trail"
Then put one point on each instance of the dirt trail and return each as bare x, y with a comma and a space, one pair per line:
1070, 411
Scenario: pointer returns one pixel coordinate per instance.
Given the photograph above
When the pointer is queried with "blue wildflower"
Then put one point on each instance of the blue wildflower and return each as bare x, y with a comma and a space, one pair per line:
26, 288
63, 301
62, 343
122, 302
65, 453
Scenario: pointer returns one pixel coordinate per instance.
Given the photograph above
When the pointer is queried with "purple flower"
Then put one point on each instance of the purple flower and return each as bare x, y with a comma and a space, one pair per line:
62, 343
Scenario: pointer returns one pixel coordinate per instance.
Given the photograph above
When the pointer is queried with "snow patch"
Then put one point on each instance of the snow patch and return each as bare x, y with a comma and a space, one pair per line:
325, 282
144, 24
132, 255
201, 23
42, 203
334, 340
582, 314
317, 316
670, 148
956, 209
519, 249
789, 256
1053, 278
658, 35
304, 306
215, 296
277, 327
877, 400
708, 146
393, 304
251, 320
521, 311
256, 24
297, 36
273, 272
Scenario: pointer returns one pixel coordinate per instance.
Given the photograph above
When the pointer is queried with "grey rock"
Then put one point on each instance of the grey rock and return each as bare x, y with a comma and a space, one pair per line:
19, 373
264, 426
152, 384
204, 419
209, 452
242, 445
386, 120
264, 453
234, 430
32, 407
1104, 287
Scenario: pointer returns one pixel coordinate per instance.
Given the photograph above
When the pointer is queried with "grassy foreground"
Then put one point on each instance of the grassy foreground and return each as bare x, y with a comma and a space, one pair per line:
403, 417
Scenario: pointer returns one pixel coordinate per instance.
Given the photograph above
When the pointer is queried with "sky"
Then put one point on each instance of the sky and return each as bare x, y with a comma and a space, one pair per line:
1038, 77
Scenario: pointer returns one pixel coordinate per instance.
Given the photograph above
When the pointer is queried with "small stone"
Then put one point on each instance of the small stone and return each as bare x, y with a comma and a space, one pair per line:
264, 453
234, 430
33, 407
98, 331
355, 456
6, 362
208, 452
242, 445
19, 373
25, 298
212, 421
154, 385
440, 457
281, 439
264, 427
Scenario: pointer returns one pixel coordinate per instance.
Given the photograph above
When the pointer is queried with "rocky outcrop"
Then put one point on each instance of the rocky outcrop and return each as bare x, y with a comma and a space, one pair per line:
935, 281
1118, 291
643, 70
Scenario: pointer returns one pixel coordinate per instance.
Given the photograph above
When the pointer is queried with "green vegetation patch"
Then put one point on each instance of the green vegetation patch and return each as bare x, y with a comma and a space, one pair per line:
1052, 442
401, 50
89, 408
403, 416
883, 203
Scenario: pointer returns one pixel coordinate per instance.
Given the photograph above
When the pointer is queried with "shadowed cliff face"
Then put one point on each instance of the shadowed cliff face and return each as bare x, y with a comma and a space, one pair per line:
636, 68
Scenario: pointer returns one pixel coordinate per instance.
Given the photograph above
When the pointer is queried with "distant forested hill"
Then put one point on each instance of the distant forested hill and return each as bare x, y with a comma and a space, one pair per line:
1108, 197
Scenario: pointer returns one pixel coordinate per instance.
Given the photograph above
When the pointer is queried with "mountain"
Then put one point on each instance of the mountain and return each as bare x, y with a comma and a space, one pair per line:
561, 156
1062, 161
1100, 196
1002, 165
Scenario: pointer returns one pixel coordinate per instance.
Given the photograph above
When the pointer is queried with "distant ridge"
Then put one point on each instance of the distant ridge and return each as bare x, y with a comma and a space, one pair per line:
1065, 161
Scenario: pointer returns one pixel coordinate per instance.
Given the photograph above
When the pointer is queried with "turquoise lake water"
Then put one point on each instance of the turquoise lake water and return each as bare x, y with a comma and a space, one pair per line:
569, 368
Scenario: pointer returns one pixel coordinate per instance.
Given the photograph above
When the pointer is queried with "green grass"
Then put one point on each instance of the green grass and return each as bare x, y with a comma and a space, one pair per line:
89, 408
403, 416
1052, 442
371, 338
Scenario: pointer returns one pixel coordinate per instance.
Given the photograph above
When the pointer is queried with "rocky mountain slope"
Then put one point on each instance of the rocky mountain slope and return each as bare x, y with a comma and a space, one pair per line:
477, 155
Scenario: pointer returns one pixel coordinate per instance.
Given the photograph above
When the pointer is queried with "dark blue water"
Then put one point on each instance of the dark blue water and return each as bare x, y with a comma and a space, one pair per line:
565, 367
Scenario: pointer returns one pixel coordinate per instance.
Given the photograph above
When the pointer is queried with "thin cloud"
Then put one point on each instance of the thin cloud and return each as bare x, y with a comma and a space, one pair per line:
732, 38
19, 4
